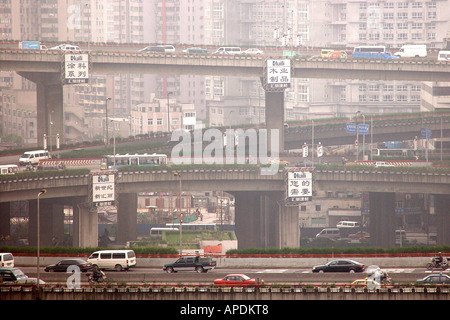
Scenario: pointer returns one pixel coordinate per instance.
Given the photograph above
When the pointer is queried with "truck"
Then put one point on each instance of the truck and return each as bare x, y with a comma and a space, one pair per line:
412, 51
199, 264
32, 45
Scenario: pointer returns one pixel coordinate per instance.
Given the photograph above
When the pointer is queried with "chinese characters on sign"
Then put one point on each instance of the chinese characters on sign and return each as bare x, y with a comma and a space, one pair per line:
299, 186
103, 189
278, 74
76, 68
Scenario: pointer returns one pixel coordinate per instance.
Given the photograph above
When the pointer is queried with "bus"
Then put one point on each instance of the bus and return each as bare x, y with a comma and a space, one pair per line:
9, 169
372, 52
393, 152
121, 160
193, 226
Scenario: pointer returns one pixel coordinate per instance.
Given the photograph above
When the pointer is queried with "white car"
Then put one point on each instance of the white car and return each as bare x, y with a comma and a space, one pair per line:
253, 51
66, 47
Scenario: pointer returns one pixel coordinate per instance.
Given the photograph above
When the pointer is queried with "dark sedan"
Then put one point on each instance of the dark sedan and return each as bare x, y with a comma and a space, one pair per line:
64, 264
340, 266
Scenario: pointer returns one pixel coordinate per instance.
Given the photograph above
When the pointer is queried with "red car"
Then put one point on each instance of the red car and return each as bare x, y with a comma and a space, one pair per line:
238, 280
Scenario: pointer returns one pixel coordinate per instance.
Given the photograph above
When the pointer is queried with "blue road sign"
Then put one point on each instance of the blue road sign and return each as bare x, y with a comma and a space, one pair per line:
425, 133
351, 128
362, 128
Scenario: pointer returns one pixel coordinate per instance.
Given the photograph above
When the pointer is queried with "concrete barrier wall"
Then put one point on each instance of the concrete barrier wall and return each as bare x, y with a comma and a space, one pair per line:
223, 294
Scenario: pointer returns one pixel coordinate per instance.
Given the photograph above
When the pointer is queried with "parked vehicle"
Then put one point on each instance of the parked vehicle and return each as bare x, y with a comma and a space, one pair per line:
167, 47
197, 263
325, 52
253, 51
152, 49
66, 47
32, 45
238, 280
444, 56
97, 276
228, 50
195, 51
15, 275
433, 264
113, 259
33, 157
435, 279
330, 233
365, 283
62, 265
412, 51
372, 52
341, 54
340, 266
347, 224
9, 169
6, 260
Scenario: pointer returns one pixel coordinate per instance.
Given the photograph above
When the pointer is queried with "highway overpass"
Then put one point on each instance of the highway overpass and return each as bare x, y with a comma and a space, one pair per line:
44, 68
263, 217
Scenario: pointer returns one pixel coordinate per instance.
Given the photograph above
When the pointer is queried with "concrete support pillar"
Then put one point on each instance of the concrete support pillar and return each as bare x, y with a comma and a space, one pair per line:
127, 218
262, 223
289, 227
275, 117
85, 226
49, 93
442, 210
382, 219
5, 217
51, 222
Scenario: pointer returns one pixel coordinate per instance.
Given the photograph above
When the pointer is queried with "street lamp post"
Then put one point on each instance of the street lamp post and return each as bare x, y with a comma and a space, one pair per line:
106, 121
38, 235
357, 135
180, 216
168, 111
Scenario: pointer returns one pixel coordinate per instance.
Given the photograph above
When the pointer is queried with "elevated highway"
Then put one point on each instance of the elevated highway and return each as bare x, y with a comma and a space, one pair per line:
263, 218
44, 67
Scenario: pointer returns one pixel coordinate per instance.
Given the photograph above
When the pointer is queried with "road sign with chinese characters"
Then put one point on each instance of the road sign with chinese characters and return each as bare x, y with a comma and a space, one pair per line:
278, 74
299, 186
103, 189
76, 68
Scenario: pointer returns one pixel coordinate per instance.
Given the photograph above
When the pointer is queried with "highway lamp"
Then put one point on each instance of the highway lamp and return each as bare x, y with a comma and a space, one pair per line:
38, 236
180, 216
106, 120
357, 135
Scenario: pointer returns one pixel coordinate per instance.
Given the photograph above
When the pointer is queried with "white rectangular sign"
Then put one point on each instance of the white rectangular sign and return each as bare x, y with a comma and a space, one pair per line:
279, 73
299, 186
76, 68
103, 188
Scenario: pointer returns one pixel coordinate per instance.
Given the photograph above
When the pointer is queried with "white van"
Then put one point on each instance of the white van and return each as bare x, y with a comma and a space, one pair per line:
383, 164
9, 169
347, 224
167, 47
444, 56
228, 50
412, 51
6, 260
330, 233
33, 157
113, 259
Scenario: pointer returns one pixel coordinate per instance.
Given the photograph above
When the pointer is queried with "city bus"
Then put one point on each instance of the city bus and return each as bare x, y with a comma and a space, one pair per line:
121, 160
372, 52
393, 152
193, 226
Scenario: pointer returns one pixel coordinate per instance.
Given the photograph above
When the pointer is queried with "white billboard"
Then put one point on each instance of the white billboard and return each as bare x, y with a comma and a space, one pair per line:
76, 68
103, 189
299, 187
278, 74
